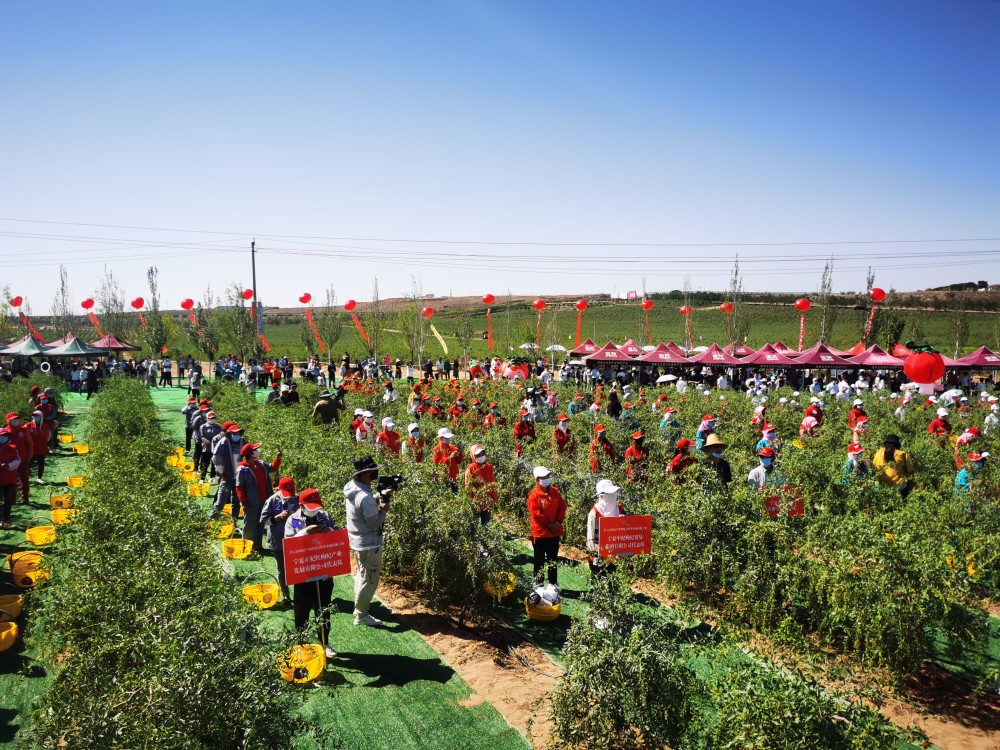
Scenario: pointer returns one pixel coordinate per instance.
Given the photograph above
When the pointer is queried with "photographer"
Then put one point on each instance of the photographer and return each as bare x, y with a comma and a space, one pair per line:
365, 519
310, 518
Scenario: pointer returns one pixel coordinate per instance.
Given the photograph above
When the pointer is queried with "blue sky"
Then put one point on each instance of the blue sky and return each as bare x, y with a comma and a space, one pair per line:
615, 141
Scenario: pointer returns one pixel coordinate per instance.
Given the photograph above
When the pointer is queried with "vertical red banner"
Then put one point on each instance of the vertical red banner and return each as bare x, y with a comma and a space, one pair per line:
802, 332
194, 322
309, 317
361, 328
489, 328
538, 331
97, 324
868, 326
142, 320
579, 321
27, 323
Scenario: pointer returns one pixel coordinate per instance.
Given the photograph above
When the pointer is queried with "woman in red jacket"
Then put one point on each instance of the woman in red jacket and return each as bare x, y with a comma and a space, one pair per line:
9, 461
40, 436
481, 484
547, 510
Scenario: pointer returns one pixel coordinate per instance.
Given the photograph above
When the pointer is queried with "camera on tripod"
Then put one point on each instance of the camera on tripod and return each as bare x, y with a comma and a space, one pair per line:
390, 482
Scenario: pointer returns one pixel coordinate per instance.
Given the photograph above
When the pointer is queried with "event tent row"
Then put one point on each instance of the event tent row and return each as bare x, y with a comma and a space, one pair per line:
776, 355
70, 346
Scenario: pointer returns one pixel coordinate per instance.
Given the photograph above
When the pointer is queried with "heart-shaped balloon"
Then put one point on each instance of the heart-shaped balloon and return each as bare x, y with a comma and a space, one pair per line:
16, 301
138, 302
427, 312
350, 305
87, 303
306, 298
248, 294
187, 304
489, 299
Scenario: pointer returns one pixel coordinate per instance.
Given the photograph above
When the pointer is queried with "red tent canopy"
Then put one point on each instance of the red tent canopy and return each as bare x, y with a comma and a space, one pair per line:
631, 349
874, 356
855, 350
768, 356
609, 353
981, 359
781, 348
898, 350
587, 347
110, 342
742, 350
716, 356
820, 355
676, 349
663, 355
64, 340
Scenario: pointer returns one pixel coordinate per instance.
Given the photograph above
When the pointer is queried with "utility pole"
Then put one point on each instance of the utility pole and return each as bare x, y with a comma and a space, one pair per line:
253, 271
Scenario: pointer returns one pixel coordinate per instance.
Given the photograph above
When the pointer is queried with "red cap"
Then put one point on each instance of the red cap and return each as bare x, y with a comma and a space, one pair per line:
708, 418
388, 383
976, 456
192, 400
628, 405
205, 401
523, 413
248, 448
663, 397
287, 486
226, 425
234, 428
577, 395
437, 398
684, 443
36, 388
766, 452
211, 415
562, 418
309, 499
599, 429
12, 415
855, 448
475, 401
768, 428
493, 405
974, 431
637, 435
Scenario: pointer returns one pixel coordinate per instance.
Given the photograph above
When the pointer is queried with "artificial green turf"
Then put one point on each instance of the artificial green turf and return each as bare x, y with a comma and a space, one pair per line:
22, 679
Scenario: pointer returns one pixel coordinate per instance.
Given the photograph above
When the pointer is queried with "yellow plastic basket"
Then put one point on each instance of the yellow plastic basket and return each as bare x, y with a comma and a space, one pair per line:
227, 510
10, 604
63, 516
81, 450
301, 664
61, 501
8, 635
237, 549
25, 568
65, 439
41, 535
190, 476
76, 482
221, 529
198, 489
172, 460
500, 585
542, 612
263, 595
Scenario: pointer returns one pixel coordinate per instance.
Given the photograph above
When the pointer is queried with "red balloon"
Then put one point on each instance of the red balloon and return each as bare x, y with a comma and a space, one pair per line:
16, 301
582, 305
163, 349
647, 305
306, 298
924, 367
350, 305
686, 310
248, 294
187, 304
489, 299
877, 295
726, 308
802, 304
87, 303
538, 304
427, 312
138, 302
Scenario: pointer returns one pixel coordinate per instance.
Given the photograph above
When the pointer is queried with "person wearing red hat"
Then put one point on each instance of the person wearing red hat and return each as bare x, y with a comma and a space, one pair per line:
437, 410
765, 475
189, 410
312, 596
50, 413
39, 434
494, 418
481, 484
637, 458
563, 442
547, 511
856, 465
456, 412
683, 457
253, 488
195, 420
273, 516
25, 450
602, 452
206, 435
225, 458
706, 428
968, 477
524, 431
10, 461
576, 405
448, 457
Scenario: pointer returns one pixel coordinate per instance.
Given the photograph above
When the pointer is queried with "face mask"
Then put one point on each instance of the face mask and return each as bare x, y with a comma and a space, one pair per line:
765, 462
494, 411
212, 421
460, 403
254, 455
978, 465
609, 498
235, 438
37, 420
15, 422
716, 454
545, 482
480, 459
4, 440
563, 427
769, 436
445, 441
310, 513
415, 434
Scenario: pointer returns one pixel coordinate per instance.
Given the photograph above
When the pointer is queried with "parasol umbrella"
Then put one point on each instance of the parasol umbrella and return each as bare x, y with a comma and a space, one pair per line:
528, 346
666, 378
555, 348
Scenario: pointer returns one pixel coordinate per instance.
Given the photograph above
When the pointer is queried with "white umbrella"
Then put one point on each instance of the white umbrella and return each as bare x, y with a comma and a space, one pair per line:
556, 348
666, 378
528, 346
649, 348
575, 362
700, 349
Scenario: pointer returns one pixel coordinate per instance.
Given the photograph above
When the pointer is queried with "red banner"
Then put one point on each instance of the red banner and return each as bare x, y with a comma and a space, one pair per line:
142, 320
36, 334
96, 323
309, 318
579, 321
624, 536
802, 332
489, 328
868, 326
649, 334
361, 328
263, 342
687, 328
791, 496
538, 331
194, 322
312, 557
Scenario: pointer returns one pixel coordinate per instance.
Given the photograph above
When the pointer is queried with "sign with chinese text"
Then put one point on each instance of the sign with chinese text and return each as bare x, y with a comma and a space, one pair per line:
623, 536
315, 556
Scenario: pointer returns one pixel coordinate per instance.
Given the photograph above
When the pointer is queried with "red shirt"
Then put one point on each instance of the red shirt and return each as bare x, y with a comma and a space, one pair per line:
447, 455
939, 427
481, 484
680, 462
636, 460
817, 413
389, 440
22, 440
8, 454
852, 417
563, 441
545, 506
40, 436
259, 476
602, 455
416, 449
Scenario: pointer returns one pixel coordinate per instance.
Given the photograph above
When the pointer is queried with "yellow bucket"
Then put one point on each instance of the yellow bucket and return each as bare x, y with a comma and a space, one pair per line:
187, 466
227, 511
198, 489
179, 452
301, 664
65, 439
10, 605
263, 595
62, 516
172, 460
81, 450
41, 535
221, 529
237, 549
76, 482
61, 501
190, 476
8, 635
542, 612
25, 568
500, 585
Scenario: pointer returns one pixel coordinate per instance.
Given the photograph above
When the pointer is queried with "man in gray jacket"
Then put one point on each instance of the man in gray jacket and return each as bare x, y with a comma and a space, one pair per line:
365, 518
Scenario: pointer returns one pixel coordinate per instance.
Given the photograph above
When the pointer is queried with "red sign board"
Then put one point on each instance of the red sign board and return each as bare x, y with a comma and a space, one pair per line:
314, 556
623, 536
795, 507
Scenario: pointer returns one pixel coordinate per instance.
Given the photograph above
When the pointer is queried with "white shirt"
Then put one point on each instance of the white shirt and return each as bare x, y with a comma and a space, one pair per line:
760, 478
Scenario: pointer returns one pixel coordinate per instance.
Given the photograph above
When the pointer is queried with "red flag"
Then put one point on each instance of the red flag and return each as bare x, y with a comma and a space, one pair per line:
649, 333
194, 322
868, 327
96, 323
631, 295
309, 317
142, 320
361, 329
36, 334
263, 341
802, 332
489, 329
579, 320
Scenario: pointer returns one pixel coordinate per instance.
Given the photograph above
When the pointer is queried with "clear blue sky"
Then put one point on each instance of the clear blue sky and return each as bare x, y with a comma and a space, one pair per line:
330, 131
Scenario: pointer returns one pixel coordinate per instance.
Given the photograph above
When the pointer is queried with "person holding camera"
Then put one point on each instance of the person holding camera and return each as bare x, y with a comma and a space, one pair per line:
310, 518
366, 511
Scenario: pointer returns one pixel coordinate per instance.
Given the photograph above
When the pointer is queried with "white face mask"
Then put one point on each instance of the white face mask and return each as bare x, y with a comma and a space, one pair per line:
545, 482
563, 427
481, 459
310, 513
